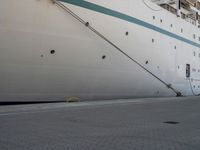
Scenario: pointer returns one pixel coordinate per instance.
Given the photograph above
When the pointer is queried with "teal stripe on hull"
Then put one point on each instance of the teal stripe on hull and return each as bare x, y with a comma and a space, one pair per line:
125, 17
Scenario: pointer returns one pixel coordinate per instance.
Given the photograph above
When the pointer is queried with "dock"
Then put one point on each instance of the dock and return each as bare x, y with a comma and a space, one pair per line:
133, 124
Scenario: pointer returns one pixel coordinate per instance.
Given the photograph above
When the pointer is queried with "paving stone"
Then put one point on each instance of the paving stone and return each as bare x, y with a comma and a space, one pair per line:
121, 126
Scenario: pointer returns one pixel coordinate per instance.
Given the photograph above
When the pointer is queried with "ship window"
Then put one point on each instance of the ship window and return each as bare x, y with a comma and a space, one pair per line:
171, 25
161, 20
154, 17
153, 40
175, 47
194, 53
199, 38
181, 30
199, 55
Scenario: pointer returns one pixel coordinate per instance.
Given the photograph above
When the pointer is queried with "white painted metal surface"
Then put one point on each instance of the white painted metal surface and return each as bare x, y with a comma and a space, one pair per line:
30, 29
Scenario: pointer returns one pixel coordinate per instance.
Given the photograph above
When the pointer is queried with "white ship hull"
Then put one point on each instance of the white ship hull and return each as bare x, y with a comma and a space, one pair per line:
30, 29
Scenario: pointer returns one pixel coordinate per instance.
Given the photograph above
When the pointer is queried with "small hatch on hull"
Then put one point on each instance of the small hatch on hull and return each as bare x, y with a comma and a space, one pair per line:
188, 70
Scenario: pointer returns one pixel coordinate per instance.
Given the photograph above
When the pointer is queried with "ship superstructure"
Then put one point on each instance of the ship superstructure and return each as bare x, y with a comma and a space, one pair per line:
55, 50
188, 10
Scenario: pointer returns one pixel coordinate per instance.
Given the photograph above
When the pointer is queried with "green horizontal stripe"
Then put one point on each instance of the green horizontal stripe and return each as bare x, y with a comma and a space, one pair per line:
125, 17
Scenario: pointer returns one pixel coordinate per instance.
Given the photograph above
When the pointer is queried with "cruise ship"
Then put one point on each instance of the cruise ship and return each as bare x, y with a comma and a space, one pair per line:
75, 50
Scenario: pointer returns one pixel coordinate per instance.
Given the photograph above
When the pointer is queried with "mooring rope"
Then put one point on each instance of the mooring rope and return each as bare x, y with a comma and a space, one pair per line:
191, 86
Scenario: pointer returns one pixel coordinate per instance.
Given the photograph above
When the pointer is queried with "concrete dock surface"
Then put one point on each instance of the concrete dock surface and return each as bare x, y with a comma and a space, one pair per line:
135, 124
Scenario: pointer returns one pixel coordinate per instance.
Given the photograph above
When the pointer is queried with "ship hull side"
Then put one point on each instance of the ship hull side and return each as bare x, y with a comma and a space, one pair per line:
84, 66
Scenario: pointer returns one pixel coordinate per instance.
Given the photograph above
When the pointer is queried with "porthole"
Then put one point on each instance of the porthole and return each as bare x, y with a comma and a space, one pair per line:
181, 30
199, 38
175, 47
194, 53
171, 25
154, 17
161, 21
126, 33
104, 57
153, 40
52, 51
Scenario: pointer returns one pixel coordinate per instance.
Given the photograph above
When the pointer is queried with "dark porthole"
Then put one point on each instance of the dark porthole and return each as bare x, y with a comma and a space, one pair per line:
174, 47
181, 30
52, 51
126, 33
104, 57
146, 62
171, 25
